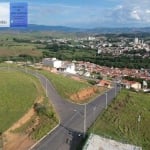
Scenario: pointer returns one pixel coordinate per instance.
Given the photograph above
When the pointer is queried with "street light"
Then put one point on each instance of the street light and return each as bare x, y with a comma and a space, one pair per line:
115, 90
85, 120
139, 120
46, 88
94, 108
106, 100
138, 126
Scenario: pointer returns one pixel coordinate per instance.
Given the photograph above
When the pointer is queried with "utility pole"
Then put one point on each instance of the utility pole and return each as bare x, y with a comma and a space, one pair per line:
115, 90
46, 88
8, 65
138, 126
85, 120
94, 108
106, 100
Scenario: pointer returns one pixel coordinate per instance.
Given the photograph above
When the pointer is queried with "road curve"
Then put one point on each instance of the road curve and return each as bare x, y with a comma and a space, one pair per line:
69, 133
71, 128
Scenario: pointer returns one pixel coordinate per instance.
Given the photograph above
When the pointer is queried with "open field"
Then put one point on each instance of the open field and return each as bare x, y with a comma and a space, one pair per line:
121, 120
65, 86
19, 93
9, 47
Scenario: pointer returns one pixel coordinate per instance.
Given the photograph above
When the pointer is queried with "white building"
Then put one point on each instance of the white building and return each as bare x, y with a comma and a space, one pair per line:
96, 142
99, 51
87, 74
70, 68
131, 84
52, 62
136, 41
91, 38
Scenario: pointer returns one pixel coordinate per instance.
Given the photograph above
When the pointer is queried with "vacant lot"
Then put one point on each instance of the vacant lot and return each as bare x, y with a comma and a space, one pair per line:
25, 112
121, 120
66, 86
17, 94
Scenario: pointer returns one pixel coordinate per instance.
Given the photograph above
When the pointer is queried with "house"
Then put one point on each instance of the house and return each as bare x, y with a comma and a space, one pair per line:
87, 74
70, 68
131, 84
136, 85
104, 83
52, 62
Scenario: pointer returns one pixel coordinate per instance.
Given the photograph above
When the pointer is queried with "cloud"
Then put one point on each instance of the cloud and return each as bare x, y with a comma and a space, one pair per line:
135, 15
124, 13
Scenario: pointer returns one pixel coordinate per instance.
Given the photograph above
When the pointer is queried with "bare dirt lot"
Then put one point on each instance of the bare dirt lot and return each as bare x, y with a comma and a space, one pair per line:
85, 94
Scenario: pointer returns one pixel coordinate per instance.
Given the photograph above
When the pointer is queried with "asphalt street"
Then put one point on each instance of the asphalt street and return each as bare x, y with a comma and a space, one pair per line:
72, 124
72, 118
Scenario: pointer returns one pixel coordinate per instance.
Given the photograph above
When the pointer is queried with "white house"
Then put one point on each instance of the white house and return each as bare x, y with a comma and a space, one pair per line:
87, 74
70, 68
131, 84
52, 62
136, 85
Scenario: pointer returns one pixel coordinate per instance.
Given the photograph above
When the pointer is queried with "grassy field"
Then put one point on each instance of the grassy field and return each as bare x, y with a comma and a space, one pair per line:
120, 121
6, 51
17, 95
65, 85
47, 120
18, 92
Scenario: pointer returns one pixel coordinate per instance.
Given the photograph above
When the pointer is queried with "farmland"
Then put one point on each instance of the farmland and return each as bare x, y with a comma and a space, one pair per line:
121, 120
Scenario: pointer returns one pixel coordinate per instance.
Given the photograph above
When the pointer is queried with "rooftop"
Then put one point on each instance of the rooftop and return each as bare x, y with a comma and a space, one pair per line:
96, 142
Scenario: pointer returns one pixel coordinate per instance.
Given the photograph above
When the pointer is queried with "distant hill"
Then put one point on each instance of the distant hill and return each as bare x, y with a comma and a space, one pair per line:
102, 30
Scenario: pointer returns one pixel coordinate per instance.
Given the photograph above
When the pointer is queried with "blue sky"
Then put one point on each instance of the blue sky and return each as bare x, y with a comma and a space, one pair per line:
89, 13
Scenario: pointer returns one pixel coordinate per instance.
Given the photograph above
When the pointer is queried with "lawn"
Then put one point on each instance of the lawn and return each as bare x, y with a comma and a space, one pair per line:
65, 86
120, 120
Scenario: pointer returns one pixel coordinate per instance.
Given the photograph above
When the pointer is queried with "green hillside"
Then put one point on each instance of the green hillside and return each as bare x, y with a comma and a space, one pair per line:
65, 85
17, 94
120, 120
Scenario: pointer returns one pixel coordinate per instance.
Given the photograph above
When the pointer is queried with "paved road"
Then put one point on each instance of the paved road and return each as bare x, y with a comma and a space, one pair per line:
71, 128
70, 131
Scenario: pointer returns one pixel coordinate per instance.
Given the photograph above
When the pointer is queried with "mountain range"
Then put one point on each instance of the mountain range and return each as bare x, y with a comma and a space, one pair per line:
103, 30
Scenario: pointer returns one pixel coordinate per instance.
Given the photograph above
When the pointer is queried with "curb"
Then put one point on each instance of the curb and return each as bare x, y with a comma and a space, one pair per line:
56, 114
43, 137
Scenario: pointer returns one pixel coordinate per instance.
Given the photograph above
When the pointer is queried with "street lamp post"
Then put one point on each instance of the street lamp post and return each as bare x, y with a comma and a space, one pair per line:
85, 120
106, 100
94, 108
138, 126
115, 90
46, 88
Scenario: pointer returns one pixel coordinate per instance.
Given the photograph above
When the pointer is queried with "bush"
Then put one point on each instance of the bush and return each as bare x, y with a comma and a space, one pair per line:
39, 108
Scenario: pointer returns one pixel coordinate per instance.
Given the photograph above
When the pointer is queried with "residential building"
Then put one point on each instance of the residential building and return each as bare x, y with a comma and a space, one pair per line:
52, 62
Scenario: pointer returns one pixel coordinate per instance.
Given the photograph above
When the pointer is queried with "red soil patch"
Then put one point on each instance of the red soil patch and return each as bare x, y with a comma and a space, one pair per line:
16, 141
84, 94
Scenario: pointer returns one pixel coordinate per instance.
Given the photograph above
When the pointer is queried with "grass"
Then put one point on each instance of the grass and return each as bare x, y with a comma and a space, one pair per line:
6, 51
120, 120
65, 85
47, 121
18, 92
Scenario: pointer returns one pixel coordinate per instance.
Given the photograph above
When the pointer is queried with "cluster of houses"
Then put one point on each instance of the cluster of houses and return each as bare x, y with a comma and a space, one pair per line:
88, 69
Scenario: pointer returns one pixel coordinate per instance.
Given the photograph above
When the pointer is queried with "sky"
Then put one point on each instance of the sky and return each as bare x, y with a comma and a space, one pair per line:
89, 13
